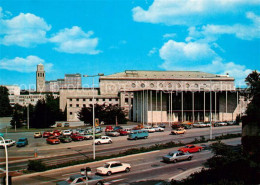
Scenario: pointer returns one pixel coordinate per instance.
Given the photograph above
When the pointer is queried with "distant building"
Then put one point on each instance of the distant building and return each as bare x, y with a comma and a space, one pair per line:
72, 80
40, 78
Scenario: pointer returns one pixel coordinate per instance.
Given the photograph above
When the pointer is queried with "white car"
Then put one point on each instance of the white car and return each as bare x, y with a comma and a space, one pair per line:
112, 133
66, 132
217, 124
158, 129
103, 140
87, 136
8, 143
113, 167
149, 129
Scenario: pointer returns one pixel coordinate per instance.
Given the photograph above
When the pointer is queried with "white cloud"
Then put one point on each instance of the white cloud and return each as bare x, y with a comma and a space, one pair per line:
211, 32
152, 51
169, 35
27, 64
24, 30
75, 40
194, 56
191, 12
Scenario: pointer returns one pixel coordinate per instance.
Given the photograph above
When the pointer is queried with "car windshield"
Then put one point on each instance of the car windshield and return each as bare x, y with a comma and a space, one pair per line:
170, 154
106, 166
21, 140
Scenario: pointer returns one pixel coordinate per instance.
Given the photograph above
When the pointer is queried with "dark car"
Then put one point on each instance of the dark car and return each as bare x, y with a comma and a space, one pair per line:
65, 139
22, 142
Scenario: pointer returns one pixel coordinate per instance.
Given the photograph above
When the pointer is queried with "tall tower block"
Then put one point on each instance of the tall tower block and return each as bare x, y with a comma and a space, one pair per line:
40, 78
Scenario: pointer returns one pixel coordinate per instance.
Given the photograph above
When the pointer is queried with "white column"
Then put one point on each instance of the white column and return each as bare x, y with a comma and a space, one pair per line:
226, 101
137, 103
204, 105
143, 107
161, 106
156, 105
193, 116
215, 106
182, 106
171, 107
151, 104
210, 104
147, 105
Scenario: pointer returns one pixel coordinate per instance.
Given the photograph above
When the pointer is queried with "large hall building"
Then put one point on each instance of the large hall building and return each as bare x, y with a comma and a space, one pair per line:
161, 96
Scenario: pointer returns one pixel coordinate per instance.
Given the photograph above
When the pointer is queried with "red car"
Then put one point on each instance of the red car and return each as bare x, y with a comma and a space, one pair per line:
191, 148
46, 134
56, 133
109, 128
76, 137
52, 140
122, 132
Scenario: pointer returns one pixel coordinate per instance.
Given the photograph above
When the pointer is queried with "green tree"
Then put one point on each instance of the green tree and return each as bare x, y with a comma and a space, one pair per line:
17, 118
6, 109
46, 113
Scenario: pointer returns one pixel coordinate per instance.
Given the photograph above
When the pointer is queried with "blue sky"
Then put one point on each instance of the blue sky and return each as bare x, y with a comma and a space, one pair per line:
109, 36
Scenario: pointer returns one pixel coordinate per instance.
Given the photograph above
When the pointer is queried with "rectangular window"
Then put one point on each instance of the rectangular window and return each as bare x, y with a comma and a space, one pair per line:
84, 105
70, 105
77, 105
84, 99
110, 99
97, 99
70, 113
90, 99
104, 99
77, 99
70, 99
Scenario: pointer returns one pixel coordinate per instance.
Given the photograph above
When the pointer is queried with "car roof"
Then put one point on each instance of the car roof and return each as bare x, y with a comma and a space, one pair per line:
23, 138
112, 162
190, 145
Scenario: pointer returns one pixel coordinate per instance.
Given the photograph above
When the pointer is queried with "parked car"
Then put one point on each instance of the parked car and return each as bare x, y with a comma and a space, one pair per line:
137, 134
112, 133
158, 129
162, 125
199, 125
98, 130
87, 136
176, 156
128, 130
190, 148
178, 131
118, 128
52, 140
59, 125
81, 179
46, 134
218, 124
22, 142
65, 139
108, 128
56, 133
123, 132
76, 137
103, 140
66, 125
37, 135
8, 143
66, 132
149, 129
231, 122
207, 124
113, 167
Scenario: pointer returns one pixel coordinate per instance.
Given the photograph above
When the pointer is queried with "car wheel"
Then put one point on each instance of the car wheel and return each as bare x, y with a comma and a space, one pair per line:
110, 141
145, 137
99, 143
100, 183
127, 170
135, 138
174, 161
91, 138
199, 150
189, 158
109, 173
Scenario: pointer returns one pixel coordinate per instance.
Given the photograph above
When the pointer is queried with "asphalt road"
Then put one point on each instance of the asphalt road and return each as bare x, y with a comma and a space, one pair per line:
54, 154
145, 166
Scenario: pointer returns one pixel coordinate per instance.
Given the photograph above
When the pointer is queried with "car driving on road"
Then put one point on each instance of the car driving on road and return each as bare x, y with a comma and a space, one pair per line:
113, 167
190, 148
37, 135
81, 179
22, 142
8, 143
176, 156
52, 140
103, 140
178, 131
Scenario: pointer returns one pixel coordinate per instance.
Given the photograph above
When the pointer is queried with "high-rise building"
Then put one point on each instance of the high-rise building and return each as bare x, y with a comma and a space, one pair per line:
40, 78
72, 80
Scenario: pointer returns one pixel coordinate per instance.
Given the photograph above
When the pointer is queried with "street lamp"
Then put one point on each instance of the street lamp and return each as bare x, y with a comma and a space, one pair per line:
6, 161
94, 130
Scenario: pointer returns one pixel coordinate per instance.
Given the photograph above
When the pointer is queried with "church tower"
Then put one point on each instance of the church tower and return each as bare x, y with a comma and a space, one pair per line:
40, 78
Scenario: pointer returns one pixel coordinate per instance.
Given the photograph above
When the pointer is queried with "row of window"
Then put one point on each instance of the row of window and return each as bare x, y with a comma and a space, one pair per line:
84, 105
187, 85
97, 99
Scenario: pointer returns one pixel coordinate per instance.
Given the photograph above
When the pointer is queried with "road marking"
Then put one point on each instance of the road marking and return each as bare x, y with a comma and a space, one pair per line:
69, 174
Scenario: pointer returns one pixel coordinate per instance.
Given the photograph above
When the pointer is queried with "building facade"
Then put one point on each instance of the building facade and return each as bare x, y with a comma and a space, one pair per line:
162, 96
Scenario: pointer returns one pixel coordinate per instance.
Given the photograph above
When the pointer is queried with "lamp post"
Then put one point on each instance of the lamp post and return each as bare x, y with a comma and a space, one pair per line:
6, 162
94, 130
